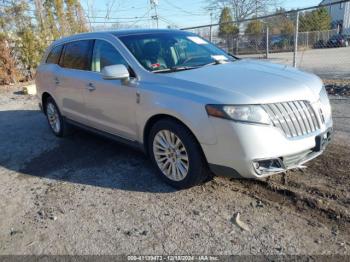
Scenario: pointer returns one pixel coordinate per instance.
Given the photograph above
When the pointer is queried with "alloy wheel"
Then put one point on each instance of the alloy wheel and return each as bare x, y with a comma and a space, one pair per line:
53, 117
171, 155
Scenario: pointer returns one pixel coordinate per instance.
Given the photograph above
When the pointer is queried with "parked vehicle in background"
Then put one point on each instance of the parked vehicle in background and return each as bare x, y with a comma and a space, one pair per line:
320, 44
190, 106
281, 42
338, 41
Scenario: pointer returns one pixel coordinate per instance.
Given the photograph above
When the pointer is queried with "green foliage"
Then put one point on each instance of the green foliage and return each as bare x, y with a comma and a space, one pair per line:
317, 20
75, 17
254, 27
287, 28
281, 23
8, 70
227, 27
23, 40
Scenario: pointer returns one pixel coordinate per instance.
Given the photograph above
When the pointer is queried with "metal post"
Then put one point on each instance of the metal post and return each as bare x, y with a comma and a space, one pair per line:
211, 27
296, 40
210, 33
267, 42
237, 44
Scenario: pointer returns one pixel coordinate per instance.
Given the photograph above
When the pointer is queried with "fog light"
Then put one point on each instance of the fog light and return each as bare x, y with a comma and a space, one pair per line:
268, 166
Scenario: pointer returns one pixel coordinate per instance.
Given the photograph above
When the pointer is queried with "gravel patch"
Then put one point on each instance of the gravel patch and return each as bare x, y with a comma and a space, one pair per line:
87, 195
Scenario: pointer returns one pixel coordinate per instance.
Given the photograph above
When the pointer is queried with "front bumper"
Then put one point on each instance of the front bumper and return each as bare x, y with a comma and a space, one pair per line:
244, 150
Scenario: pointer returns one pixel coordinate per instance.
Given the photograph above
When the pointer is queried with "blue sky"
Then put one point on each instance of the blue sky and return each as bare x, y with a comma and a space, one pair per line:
181, 13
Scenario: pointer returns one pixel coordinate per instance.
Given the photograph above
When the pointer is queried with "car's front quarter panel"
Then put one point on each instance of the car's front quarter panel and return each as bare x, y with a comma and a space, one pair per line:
157, 99
239, 144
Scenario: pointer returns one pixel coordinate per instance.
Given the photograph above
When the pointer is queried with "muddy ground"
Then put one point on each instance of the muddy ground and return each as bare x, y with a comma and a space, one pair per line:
88, 195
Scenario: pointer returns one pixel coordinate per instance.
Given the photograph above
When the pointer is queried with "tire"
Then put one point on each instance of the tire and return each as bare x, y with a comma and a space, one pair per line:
55, 120
174, 157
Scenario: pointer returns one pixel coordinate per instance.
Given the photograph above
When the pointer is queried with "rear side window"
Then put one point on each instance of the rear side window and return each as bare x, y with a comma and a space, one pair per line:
77, 55
105, 55
54, 55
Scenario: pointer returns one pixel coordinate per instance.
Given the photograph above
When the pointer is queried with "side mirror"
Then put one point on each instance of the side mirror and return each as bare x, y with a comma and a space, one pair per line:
115, 72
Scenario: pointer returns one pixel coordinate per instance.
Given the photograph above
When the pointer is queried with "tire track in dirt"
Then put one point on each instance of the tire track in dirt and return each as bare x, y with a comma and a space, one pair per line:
317, 192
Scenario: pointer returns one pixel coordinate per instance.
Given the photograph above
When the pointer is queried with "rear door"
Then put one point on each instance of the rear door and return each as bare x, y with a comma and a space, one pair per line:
46, 73
75, 63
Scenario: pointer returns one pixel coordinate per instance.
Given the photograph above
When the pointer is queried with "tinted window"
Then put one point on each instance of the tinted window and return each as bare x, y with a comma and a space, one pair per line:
105, 55
77, 55
54, 55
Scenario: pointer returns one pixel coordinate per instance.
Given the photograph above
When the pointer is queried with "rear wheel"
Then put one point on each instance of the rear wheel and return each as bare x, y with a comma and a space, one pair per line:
56, 122
176, 154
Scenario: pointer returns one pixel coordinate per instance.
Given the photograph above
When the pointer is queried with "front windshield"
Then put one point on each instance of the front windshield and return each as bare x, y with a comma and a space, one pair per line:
164, 52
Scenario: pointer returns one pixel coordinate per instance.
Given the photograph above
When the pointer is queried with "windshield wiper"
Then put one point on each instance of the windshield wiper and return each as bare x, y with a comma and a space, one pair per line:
174, 69
216, 62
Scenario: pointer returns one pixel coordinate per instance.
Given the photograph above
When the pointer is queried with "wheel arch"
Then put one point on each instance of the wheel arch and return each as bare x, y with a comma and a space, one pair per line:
44, 97
155, 118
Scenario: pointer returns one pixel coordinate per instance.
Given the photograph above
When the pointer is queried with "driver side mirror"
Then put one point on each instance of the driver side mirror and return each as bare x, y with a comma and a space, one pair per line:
115, 72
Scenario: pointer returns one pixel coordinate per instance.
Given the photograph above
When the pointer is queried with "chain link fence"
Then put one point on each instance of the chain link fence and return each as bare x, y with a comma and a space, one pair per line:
314, 39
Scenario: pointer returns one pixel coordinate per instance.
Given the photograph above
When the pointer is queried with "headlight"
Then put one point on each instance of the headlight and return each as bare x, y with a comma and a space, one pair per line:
242, 113
324, 100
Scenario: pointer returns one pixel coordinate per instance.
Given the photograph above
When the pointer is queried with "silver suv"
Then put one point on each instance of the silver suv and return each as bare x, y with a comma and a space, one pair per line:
194, 109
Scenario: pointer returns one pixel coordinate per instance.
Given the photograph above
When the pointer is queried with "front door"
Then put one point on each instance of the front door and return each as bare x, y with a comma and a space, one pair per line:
110, 104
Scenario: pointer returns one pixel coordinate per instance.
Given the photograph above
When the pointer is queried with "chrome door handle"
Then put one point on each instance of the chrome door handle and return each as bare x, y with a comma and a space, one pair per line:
57, 81
91, 87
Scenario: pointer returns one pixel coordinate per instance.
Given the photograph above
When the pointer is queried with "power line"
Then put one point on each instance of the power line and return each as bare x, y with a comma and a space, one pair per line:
167, 21
179, 8
147, 12
114, 18
116, 22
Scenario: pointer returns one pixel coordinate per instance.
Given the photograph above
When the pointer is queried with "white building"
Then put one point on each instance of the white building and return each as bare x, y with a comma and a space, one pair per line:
340, 14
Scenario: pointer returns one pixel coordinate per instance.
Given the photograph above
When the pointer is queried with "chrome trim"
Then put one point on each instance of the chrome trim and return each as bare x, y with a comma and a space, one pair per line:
294, 118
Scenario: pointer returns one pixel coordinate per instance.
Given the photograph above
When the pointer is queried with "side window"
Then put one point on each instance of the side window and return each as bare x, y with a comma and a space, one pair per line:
77, 55
54, 55
105, 55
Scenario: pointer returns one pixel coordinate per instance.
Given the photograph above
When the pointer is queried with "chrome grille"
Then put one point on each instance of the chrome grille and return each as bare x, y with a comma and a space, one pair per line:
296, 118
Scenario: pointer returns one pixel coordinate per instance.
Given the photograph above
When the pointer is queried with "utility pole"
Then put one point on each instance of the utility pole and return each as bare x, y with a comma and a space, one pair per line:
211, 27
154, 4
296, 36
267, 41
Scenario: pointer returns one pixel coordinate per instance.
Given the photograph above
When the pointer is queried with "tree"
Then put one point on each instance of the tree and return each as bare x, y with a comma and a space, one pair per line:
59, 13
75, 16
227, 28
81, 20
26, 42
287, 27
50, 21
24, 38
281, 23
317, 20
254, 27
242, 9
8, 70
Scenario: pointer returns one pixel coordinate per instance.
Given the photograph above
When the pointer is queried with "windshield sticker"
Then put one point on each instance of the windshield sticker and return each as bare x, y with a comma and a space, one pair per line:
197, 40
219, 57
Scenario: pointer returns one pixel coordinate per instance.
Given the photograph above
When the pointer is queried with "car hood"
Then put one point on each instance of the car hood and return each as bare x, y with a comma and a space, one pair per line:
248, 82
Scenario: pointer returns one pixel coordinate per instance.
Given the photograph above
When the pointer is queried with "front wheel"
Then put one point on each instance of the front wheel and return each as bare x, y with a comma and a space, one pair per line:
176, 154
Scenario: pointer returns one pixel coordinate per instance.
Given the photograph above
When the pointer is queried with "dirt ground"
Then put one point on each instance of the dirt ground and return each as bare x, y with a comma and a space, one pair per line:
88, 195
